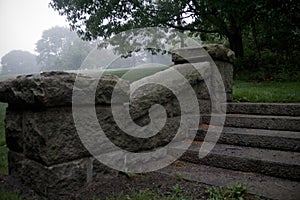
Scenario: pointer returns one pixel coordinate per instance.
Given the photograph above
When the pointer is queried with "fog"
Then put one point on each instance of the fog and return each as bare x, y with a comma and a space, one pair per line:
22, 23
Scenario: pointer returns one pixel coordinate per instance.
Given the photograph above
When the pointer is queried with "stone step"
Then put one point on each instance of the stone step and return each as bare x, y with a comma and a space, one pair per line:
271, 122
248, 159
261, 138
290, 109
258, 184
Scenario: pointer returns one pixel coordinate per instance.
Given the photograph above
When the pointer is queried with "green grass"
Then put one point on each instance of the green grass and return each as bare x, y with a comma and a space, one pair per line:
2, 117
266, 91
3, 160
150, 194
4, 77
3, 148
9, 195
237, 192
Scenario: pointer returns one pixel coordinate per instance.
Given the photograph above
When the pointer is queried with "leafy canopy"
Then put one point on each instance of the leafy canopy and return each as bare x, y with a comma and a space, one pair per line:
94, 18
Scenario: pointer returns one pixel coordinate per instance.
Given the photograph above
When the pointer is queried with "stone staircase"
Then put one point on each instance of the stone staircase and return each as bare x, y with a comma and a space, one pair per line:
259, 147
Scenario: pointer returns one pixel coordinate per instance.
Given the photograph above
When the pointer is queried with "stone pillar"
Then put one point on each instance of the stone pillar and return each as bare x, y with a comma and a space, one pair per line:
221, 56
45, 152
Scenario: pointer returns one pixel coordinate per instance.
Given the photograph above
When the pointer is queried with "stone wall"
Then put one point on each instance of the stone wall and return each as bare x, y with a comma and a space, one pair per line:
45, 151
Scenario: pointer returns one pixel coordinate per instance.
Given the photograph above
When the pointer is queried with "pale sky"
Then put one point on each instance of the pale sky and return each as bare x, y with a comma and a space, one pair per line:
22, 23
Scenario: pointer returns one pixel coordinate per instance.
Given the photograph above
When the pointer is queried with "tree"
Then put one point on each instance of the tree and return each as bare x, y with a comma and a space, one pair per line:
61, 49
271, 41
19, 62
105, 18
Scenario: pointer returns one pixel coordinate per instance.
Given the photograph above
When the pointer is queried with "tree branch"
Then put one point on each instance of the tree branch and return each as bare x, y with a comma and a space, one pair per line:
185, 28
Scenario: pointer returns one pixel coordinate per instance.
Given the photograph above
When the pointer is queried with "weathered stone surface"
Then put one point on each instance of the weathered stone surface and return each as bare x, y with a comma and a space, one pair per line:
100, 171
219, 52
50, 136
149, 94
50, 89
48, 152
14, 130
220, 59
270, 122
134, 144
54, 182
256, 183
199, 54
261, 138
226, 71
291, 109
270, 162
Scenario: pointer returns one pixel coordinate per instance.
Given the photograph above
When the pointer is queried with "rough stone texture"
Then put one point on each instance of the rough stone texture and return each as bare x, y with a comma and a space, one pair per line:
222, 58
50, 136
14, 130
216, 51
51, 182
46, 150
51, 89
219, 52
98, 171
290, 109
270, 122
261, 138
147, 95
257, 184
270, 162
226, 71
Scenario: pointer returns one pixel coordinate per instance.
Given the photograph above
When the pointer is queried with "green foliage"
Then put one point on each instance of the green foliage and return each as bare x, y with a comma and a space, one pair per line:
178, 176
106, 18
2, 117
3, 148
272, 42
9, 195
263, 33
59, 48
176, 193
140, 195
266, 91
237, 192
3, 160
19, 62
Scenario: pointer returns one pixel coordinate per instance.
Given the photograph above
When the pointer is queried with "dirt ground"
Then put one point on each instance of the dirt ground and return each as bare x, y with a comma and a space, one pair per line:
113, 187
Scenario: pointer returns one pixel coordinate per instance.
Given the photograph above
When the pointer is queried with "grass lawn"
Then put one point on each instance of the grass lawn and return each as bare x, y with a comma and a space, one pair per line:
266, 91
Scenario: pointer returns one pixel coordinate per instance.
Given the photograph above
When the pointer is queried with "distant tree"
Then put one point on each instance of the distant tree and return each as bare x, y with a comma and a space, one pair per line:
61, 49
19, 62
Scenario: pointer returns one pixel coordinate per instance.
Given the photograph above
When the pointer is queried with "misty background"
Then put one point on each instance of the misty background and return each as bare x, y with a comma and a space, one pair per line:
35, 38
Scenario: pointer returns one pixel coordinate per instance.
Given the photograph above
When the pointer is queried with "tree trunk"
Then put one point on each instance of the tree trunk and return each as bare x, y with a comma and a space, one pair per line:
235, 37
236, 44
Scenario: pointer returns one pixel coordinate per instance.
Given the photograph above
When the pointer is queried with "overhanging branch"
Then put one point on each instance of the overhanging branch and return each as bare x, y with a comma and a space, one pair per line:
185, 28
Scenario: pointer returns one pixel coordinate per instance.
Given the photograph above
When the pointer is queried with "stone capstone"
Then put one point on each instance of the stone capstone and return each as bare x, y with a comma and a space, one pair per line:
196, 54
52, 89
